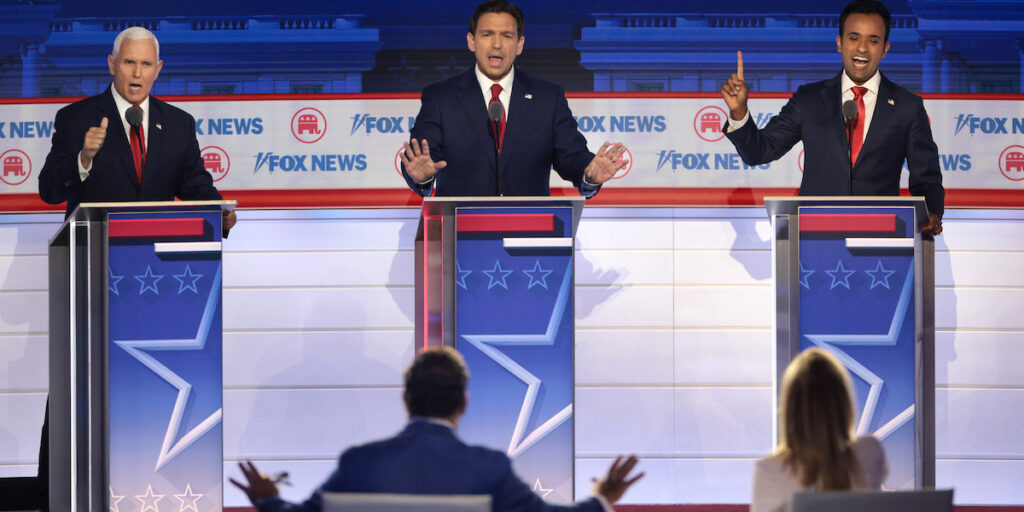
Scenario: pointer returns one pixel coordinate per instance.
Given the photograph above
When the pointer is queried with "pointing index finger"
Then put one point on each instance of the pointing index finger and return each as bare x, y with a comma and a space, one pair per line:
739, 64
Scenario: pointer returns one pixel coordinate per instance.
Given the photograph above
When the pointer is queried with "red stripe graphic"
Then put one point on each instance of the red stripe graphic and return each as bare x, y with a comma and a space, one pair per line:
847, 223
506, 223
153, 228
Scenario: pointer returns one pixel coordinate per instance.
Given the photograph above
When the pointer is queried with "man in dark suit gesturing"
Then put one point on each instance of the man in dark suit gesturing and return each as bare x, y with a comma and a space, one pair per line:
455, 145
891, 125
99, 155
428, 458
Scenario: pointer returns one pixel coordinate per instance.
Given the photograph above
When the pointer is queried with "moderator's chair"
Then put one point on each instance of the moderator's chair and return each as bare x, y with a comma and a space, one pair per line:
375, 502
874, 501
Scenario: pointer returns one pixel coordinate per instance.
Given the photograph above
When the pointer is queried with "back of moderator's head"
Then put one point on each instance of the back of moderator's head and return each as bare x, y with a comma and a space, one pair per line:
816, 419
435, 383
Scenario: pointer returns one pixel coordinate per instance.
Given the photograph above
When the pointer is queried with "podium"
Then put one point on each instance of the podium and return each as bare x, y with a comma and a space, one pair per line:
135, 357
854, 276
494, 279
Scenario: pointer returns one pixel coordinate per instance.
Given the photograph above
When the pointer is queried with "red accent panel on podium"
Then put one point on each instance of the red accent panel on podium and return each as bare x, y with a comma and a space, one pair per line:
150, 228
832, 223
512, 222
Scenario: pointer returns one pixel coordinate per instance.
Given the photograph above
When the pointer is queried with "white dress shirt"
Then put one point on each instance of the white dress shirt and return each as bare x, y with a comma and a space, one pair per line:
505, 96
122, 106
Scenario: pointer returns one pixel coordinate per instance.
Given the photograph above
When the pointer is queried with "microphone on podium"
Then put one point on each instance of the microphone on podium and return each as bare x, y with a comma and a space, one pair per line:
496, 111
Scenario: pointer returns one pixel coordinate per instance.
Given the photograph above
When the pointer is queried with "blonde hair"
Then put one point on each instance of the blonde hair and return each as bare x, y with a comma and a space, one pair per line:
816, 421
135, 33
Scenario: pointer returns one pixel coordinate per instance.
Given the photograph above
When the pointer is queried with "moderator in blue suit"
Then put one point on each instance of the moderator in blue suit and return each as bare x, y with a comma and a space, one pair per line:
891, 125
427, 457
455, 147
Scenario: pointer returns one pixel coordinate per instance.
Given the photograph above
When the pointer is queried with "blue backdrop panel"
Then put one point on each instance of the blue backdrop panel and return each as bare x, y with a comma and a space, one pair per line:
514, 326
859, 305
165, 381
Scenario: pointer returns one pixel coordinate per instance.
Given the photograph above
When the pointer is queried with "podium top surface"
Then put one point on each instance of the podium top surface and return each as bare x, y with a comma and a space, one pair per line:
788, 205
444, 206
96, 211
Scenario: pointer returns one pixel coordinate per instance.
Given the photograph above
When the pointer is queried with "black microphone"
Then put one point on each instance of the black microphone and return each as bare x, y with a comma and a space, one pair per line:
134, 116
496, 111
849, 115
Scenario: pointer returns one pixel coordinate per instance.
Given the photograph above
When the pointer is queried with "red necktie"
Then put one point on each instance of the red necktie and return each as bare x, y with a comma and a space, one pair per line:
858, 124
138, 141
500, 137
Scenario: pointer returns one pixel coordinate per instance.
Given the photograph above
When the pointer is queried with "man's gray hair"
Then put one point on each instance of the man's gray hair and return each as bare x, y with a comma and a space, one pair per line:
135, 33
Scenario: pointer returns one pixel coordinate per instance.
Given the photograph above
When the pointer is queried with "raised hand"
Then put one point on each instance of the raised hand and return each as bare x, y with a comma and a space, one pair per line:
616, 482
734, 91
417, 161
606, 163
259, 487
93, 142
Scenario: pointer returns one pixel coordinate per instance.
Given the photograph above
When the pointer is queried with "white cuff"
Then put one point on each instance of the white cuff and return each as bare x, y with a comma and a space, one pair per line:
83, 172
736, 125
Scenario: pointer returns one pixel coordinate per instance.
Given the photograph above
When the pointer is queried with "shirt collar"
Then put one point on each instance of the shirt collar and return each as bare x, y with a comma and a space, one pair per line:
485, 83
872, 83
123, 105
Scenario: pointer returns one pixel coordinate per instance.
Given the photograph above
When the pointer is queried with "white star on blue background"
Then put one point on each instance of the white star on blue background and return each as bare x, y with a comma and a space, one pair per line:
840, 280
497, 281
542, 280
804, 274
879, 280
486, 343
114, 280
191, 279
462, 274
149, 280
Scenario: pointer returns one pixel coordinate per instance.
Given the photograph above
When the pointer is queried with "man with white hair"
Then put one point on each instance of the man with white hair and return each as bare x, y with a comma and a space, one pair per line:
123, 144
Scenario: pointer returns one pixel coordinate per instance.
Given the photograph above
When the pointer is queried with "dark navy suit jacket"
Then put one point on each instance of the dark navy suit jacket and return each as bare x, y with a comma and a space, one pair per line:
427, 458
540, 133
174, 167
899, 131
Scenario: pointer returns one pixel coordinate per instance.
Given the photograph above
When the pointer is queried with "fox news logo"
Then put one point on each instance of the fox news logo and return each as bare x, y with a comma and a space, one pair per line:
989, 125
370, 124
621, 124
229, 126
675, 160
309, 163
26, 129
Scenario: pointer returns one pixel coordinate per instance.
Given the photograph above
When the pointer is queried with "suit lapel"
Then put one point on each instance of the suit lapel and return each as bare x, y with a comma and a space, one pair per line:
154, 136
116, 137
879, 118
521, 87
473, 106
833, 111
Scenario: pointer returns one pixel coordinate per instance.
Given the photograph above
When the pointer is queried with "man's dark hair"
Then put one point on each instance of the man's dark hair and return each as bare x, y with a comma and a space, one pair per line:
865, 7
435, 383
497, 6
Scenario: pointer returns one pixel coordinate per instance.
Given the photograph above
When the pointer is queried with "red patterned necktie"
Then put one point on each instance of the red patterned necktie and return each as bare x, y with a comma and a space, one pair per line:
138, 141
500, 137
858, 124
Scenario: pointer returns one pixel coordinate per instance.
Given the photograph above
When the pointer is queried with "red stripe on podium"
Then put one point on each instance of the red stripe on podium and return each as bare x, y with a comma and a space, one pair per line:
505, 222
151, 228
841, 222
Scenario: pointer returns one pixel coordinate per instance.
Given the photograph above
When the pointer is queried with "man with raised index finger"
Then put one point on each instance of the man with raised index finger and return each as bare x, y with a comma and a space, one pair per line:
455, 148
890, 127
98, 154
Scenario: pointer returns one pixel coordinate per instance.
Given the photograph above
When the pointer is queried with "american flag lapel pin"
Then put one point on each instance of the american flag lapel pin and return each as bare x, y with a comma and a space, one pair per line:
892, 102
161, 127
529, 96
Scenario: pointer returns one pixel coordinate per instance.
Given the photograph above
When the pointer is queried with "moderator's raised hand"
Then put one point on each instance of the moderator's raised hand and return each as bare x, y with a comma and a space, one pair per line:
417, 161
93, 142
258, 486
734, 91
606, 163
618, 480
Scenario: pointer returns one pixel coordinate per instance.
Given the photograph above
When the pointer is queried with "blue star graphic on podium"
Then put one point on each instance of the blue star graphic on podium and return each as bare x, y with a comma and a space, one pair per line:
461, 277
114, 280
840, 276
188, 280
879, 276
139, 349
149, 280
804, 275
493, 274
542, 280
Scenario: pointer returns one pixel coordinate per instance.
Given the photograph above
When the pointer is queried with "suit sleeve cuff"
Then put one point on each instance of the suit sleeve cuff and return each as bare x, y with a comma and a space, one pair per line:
587, 189
736, 125
605, 506
83, 172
